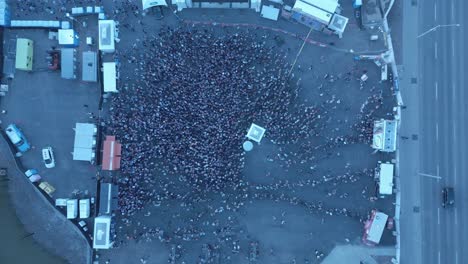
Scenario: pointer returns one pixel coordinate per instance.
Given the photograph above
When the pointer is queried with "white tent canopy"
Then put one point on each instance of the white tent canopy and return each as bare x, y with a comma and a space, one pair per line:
110, 77
152, 3
85, 141
256, 133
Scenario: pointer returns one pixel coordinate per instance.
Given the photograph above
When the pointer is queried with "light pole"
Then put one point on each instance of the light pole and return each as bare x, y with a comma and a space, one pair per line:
73, 20
389, 8
70, 17
436, 27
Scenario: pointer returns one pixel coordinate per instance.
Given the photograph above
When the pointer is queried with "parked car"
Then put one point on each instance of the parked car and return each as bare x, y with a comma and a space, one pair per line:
83, 225
33, 175
48, 157
17, 138
448, 197
47, 187
390, 223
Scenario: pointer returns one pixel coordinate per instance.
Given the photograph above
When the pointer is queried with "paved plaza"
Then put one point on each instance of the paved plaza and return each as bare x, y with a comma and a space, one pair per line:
306, 191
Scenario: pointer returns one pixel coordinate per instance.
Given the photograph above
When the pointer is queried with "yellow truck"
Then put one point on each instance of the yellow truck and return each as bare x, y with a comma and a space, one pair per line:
47, 187
24, 54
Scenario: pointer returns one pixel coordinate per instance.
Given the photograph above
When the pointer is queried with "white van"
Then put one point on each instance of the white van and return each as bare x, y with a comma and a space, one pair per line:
48, 157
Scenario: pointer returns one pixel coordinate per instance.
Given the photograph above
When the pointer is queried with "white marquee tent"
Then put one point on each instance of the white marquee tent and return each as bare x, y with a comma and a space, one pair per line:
152, 3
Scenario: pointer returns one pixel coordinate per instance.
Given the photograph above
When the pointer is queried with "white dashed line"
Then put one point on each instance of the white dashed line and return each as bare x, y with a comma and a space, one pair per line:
435, 11
436, 91
453, 10
439, 257
454, 89
438, 216
435, 50
456, 257
437, 133
456, 217
455, 173
453, 48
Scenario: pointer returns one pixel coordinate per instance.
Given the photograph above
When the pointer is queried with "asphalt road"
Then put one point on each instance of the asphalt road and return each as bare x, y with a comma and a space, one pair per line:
435, 90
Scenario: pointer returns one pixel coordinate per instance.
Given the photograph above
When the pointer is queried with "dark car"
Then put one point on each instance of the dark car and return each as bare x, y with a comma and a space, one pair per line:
448, 197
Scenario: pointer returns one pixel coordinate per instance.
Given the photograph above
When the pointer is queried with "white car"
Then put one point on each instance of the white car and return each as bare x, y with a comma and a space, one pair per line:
48, 157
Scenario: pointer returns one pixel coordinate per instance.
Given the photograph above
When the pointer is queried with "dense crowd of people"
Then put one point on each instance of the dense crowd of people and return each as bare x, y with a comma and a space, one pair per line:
191, 107
184, 111
194, 96
189, 96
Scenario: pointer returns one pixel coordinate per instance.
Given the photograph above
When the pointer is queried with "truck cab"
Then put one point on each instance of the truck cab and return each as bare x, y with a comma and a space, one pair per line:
448, 197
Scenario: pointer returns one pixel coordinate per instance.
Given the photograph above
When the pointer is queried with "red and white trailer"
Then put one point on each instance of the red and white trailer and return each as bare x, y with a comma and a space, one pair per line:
374, 227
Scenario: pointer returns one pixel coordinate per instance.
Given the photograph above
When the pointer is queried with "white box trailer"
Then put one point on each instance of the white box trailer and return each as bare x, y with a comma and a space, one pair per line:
72, 208
102, 229
61, 202
384, 135
312, 11
107, 36
374, 228
386, 178
110, 77
84, 208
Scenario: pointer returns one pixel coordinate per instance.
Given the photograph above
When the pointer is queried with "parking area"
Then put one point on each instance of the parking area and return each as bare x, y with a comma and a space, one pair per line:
46, 107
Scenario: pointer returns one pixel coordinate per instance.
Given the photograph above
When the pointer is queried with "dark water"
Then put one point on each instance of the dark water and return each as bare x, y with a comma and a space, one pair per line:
16, 244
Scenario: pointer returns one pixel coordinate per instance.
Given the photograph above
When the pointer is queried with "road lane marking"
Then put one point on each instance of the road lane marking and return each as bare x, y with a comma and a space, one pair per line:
456, 257
438, 173
454, 97
435, 50
435, 11
430, 176
438, 216
437, 133
455, 173
456, 217
453, 48
453, 9
439, 257
453, 132
436, 90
